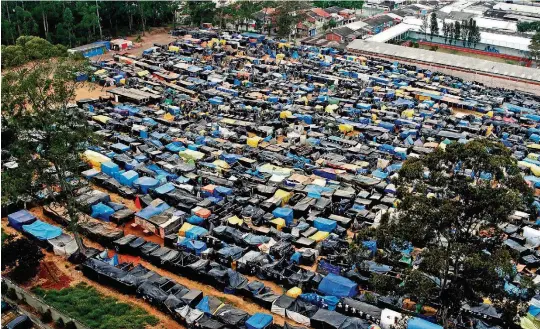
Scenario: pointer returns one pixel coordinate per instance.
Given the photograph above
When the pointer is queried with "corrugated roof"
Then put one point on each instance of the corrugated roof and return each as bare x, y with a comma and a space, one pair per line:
451, 60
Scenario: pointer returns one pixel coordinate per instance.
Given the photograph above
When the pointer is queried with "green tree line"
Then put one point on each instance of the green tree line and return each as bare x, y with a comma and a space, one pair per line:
74, 23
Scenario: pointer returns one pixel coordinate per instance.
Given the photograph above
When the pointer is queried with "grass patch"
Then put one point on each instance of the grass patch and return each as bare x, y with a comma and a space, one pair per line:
95, 310
5, 236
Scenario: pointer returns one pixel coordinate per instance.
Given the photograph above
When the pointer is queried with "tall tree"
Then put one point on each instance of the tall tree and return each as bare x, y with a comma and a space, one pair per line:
434, 26
465, 31
534, 46
425, 25
47, 135
446, 31
448, 197
457, 32
287, 15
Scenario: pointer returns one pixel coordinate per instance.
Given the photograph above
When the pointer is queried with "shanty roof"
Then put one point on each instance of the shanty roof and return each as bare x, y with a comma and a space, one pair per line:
445, 59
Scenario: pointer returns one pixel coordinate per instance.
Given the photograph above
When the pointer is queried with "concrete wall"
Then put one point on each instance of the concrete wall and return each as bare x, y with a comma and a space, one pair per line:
39, 305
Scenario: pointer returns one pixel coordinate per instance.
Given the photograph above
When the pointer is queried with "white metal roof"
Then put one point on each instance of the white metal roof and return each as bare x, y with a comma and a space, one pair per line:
446, 59
516, 7
391, 33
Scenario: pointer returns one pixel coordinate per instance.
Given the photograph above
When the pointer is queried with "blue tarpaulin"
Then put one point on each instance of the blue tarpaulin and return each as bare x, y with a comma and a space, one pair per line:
196, 232
327, 302
128, 178
194, 245
324, 224
417, 323
42, 231
146, 183
195, 220
110, 168
259, 321
20, 218
339, 286
102, 211
164, 189
150, 211
285, 213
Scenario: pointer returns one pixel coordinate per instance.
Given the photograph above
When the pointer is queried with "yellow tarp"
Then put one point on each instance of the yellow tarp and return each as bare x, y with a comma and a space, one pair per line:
279, 222
101, 118
143, 73
529, 322
185, 227
275, 170
222, 164
490, 114
100, 72
285, 114
253, 141
319, 236
95, 158
174, 48
168, 117
235, 220
331, 108
294, 292
190, 154
344, 128
284, 196
534, 146
228, 121
407, 113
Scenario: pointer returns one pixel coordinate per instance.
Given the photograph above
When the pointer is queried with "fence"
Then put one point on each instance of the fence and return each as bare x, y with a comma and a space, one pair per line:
40, 305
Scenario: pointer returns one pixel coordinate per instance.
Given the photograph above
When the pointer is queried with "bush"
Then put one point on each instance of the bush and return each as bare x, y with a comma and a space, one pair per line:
29, 48
434, 48
22, 258
46, 317
88, 306
416, 45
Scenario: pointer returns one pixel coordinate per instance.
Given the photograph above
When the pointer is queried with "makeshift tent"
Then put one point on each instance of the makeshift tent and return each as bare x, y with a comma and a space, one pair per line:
259, 321
339, 286
20, 218
210, 305
42, 231
325, 319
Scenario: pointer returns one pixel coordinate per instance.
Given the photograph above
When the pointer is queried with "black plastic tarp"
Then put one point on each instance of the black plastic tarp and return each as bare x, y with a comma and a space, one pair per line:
325, 319
355, 323
232, 316
154, 295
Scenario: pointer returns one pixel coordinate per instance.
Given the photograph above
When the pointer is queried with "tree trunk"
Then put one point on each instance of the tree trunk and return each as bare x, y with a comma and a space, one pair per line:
142, 18
99, 21
44, 24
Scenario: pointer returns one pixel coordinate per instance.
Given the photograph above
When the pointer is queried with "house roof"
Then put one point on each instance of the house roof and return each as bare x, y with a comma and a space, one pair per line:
333, 9
342, 31
378, 20
320, 12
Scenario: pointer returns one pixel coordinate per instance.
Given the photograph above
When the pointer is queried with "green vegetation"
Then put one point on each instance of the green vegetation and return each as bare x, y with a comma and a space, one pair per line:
534, 46
29, 48
21, 258
448, 197
95, 310
528, 26
73, 23
36, 98
344, 4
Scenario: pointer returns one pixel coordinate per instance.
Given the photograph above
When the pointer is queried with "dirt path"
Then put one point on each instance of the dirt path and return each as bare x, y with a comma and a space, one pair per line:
77, 276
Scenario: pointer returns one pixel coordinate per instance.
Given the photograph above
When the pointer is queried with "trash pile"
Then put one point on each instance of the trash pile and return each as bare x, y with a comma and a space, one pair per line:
255, 157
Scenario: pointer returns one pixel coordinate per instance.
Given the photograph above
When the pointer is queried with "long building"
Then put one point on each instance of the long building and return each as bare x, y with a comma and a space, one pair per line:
490, 73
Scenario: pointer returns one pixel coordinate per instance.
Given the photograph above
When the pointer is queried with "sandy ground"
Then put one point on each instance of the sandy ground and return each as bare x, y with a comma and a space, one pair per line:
158, 35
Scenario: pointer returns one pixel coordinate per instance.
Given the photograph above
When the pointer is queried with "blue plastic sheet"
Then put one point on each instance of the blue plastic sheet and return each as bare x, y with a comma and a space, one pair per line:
196, 232
42, 231
259, 321
324, 224
102, 211
20, 218
339, 286
285, 213
151, 211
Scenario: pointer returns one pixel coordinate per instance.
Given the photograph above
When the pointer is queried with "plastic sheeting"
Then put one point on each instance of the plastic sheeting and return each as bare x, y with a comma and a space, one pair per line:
42, 231
339, 286
20, 218
259, 321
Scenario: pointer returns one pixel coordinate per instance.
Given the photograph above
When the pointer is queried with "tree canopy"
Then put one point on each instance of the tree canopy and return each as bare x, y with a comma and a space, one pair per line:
452, 204
21, 257
43, 133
